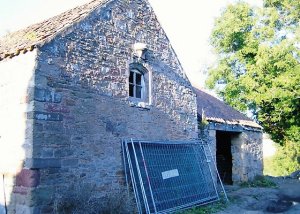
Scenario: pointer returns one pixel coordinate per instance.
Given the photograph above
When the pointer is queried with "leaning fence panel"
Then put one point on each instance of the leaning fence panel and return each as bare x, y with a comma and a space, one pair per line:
169, 176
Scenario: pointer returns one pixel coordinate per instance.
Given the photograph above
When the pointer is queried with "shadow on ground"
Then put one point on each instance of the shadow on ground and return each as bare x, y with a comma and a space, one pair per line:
285, 198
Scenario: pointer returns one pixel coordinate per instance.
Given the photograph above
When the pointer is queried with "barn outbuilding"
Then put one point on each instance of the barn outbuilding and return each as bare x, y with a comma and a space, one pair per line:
234, 138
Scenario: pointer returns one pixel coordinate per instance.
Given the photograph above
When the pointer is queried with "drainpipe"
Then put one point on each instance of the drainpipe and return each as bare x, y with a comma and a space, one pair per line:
5, 206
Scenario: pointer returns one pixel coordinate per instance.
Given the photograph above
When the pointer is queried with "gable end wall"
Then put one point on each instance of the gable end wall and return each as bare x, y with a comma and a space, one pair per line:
81, 105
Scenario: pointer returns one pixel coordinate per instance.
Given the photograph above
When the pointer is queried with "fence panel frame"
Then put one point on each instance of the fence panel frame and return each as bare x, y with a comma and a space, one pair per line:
142, 180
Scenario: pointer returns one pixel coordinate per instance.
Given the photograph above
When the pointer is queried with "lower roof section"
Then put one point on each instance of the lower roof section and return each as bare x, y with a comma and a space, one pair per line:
214, 110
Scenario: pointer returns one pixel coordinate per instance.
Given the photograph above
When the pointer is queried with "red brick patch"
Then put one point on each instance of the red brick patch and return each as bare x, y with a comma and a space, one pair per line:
20, 190
28, 178
56, 108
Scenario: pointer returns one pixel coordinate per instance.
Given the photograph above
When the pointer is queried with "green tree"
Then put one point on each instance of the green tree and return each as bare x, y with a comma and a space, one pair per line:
285, 161
258, 64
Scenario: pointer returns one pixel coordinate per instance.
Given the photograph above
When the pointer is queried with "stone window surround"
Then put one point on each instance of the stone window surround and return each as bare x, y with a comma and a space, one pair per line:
146, 100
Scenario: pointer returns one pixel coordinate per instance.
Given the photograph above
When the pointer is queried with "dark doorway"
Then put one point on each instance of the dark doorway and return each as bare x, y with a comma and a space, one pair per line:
224, 156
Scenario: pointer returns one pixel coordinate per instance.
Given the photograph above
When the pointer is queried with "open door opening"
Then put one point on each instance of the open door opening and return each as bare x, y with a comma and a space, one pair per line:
224, 156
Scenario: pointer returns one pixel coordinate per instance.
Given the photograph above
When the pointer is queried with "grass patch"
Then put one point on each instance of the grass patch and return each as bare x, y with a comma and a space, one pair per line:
207, 209
259, 181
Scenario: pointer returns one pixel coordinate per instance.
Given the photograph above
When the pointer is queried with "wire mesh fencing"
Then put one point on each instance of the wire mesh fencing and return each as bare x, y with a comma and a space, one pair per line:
168, 176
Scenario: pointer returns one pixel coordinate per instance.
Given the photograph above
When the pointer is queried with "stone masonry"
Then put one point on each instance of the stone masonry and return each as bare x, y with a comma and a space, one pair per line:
246, 150
78, 109
247, 153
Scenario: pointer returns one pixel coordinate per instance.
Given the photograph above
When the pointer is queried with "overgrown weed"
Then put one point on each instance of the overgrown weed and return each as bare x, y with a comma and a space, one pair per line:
82, 199
208, 208
259, 181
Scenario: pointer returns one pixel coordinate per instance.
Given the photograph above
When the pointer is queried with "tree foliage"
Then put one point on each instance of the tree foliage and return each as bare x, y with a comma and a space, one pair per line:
285, 161
258, 64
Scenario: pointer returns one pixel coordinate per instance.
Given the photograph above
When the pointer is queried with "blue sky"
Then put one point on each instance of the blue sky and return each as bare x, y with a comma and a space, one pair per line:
188, 24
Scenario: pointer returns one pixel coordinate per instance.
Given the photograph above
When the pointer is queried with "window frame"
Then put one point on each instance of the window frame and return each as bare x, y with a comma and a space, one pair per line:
145, 84
135, 84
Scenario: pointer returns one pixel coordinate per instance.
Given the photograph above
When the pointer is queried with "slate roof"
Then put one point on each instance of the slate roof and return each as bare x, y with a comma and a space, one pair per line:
216, 110
27, 39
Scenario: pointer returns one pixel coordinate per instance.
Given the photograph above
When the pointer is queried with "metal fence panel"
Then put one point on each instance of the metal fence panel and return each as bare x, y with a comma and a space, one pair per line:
169, 176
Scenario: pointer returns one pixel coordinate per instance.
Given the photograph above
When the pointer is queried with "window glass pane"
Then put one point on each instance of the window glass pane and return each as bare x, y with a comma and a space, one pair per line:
138, 79
131, 90
138, 92
131, 77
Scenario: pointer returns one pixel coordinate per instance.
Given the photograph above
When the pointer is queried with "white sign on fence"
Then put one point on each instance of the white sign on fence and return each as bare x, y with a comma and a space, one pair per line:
170, 174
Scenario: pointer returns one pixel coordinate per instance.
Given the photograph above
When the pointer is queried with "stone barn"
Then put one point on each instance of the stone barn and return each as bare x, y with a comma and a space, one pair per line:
235, 139
72, 87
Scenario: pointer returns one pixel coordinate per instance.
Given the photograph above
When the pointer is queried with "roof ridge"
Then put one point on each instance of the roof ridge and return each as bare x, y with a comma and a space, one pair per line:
27, 39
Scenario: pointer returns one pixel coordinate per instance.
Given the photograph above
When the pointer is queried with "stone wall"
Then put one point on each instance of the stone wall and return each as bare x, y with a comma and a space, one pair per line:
247, 153
82, 109
246, 149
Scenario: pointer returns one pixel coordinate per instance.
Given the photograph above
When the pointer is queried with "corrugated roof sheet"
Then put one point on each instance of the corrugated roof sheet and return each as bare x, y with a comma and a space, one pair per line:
24, 40
216, 110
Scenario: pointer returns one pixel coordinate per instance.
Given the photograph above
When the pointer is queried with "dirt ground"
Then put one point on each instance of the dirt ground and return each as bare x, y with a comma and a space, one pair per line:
285, 198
